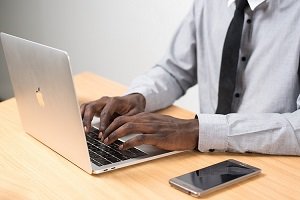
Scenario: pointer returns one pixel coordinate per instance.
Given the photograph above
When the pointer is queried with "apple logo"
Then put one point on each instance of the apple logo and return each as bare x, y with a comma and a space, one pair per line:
39, 97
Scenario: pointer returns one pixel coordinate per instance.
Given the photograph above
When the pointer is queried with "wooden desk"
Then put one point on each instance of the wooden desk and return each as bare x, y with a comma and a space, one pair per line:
29, 170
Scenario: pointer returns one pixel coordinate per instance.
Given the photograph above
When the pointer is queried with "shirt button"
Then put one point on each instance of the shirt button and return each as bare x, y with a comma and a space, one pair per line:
237, 95
249, 21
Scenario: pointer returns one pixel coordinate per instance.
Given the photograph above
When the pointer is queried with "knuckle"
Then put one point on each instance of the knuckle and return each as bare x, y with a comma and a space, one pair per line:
82, 105
104, 98
115, 101
86, 121
112, 136
129, 126
143, 115
103, 113
90, 106
119, 120
140, 139
87, 113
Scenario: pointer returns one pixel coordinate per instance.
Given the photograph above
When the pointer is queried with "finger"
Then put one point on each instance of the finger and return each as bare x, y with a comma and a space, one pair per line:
119, 121
122, 131
130, 128
124, 125
140, 140
133, 111
89, 113
106, 115
82, 108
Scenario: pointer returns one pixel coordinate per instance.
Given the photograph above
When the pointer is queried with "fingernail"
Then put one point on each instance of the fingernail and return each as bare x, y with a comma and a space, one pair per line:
100, 135
121, 147
106, 141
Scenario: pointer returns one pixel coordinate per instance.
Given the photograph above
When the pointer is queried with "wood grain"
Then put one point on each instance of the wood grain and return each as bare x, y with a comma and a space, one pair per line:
29, 170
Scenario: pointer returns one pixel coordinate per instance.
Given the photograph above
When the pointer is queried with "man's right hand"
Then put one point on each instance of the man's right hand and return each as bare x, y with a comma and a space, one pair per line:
108, 108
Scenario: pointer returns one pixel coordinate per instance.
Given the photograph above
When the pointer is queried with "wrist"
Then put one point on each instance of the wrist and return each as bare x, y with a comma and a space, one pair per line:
139, 98
196, 147
193, 132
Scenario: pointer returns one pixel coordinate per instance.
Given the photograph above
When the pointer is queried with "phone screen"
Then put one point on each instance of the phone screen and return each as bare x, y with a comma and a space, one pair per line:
217, 174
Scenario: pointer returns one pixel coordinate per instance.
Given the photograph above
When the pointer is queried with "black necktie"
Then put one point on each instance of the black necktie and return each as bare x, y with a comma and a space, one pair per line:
230, 57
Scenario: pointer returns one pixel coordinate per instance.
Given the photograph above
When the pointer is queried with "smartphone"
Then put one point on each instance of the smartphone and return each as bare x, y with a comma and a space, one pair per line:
211, 178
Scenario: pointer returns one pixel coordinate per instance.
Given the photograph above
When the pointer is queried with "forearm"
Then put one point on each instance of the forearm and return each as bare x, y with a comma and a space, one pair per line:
158, 87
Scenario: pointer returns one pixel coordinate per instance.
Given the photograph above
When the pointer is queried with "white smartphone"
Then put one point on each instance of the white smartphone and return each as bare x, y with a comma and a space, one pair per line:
211, 178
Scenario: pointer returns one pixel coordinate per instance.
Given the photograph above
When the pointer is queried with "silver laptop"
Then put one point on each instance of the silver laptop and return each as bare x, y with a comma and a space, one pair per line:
48, 107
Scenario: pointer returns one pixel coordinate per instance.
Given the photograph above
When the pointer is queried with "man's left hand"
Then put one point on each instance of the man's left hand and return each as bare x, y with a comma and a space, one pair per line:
164, 132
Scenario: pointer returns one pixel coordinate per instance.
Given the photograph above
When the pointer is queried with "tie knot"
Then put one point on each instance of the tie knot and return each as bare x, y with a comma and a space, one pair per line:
241, 5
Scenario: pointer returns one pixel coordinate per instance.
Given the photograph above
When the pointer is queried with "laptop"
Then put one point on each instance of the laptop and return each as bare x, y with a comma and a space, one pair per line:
47, 103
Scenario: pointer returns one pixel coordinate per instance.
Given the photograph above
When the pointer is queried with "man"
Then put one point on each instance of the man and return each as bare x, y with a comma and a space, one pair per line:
257, 109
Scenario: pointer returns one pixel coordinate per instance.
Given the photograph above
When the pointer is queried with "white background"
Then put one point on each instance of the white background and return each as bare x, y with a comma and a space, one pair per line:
117, 39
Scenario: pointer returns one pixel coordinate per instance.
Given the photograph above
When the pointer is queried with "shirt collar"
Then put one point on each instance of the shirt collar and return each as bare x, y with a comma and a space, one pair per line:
253, 3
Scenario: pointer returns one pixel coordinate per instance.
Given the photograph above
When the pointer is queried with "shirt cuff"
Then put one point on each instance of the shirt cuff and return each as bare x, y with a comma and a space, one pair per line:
147, 94
213, 132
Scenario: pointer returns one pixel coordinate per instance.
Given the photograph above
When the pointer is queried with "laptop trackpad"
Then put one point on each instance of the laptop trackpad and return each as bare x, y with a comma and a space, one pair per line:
149, 149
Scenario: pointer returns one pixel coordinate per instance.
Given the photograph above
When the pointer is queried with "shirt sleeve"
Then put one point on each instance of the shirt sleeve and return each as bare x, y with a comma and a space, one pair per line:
267, 133
175, 73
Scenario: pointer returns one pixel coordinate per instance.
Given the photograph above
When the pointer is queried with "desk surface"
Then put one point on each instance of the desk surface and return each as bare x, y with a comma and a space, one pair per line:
29, 170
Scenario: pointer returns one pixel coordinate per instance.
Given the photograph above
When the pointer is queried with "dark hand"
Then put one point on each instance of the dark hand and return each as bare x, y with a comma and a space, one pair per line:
107, 108
162, 131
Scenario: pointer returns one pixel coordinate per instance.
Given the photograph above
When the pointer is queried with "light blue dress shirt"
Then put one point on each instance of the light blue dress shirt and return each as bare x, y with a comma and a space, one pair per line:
266, 118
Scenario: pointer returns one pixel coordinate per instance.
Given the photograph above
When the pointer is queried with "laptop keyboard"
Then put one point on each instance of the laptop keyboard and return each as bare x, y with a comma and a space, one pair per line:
102, 154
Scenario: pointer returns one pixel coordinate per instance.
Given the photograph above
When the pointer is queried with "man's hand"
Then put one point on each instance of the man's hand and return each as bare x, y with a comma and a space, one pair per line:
162, 131
108, 108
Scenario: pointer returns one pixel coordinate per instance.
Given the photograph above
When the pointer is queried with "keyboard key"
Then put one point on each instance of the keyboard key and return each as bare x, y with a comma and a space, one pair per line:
98, 158
129, 154
132, 153
94, 130
118, 142
114, 146
102, 154
118, 154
